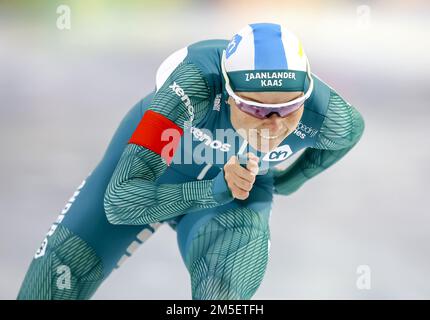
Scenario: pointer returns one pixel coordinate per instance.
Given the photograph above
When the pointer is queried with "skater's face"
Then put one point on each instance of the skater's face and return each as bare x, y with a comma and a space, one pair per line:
265, 134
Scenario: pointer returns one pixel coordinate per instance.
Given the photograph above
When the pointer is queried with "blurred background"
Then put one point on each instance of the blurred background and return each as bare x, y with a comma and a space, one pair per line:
64, 91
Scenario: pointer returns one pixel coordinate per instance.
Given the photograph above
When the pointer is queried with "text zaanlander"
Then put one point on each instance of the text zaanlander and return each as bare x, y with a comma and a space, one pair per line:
270, 78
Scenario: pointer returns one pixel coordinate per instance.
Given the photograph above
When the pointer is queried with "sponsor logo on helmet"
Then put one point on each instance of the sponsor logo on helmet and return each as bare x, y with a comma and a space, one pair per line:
270, 75
232, 46
302, 131
279, 154
270, 79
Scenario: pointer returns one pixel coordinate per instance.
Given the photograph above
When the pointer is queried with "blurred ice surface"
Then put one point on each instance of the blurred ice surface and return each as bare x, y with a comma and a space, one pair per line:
62, 94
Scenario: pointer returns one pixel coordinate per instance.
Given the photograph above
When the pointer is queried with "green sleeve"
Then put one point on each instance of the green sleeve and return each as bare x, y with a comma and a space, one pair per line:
132, 196
341, 130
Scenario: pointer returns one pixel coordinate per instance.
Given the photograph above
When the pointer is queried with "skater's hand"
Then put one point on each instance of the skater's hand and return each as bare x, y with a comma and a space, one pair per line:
239, 179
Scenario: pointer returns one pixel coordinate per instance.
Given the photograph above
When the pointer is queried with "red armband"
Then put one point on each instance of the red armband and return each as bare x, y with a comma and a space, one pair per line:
158, 134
